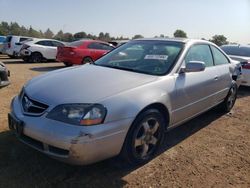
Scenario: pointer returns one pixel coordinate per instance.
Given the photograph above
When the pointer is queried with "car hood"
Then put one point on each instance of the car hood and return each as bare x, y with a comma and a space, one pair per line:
83, 84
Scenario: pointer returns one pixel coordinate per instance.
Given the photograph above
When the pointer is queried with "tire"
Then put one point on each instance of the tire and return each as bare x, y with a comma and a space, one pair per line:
144, 138
229, 101
67, 64
36, 57
87, 60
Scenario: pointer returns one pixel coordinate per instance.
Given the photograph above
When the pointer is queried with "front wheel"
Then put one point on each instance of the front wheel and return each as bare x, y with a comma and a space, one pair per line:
229, 101
36, 57
144, 138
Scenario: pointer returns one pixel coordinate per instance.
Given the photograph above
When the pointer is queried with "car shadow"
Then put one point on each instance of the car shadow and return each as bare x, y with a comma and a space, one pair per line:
24, 166
46, 69
13, 61
244, 91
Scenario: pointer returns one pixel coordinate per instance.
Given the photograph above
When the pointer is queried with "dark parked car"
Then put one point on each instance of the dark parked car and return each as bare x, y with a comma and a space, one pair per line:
240, 53
4, 74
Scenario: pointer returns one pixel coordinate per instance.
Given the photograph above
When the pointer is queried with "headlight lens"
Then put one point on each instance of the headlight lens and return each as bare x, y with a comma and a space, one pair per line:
79, 114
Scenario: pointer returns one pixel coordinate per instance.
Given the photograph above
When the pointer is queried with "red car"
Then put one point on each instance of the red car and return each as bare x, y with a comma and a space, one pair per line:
82, 51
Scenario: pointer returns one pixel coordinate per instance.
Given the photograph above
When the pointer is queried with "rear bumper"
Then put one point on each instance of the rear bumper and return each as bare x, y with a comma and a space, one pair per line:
73, 61
246, 77
4, 81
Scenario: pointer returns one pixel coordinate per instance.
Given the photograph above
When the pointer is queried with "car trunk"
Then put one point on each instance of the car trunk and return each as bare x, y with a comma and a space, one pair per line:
65, 51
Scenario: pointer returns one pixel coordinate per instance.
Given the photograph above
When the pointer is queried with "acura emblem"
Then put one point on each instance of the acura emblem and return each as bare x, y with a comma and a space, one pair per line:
27, 103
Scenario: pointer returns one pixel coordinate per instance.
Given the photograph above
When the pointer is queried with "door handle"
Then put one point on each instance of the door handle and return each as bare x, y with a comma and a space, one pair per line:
216, 77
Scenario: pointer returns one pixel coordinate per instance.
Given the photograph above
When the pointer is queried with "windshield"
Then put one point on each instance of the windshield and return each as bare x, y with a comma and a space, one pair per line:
149, 57
2, 39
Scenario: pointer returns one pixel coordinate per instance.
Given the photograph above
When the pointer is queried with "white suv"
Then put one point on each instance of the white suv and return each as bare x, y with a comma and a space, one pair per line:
39, 50
13, 44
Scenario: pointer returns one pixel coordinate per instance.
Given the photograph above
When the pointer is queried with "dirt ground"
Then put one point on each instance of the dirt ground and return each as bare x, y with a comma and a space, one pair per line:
212, 150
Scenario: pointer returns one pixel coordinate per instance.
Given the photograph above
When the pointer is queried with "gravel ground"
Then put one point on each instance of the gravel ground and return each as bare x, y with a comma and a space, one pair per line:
212, 150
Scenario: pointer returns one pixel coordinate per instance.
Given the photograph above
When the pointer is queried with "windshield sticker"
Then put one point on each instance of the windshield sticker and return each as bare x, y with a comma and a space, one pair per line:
157, 57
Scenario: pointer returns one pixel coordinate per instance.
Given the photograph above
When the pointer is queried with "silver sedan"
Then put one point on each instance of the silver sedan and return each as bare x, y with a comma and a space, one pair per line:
125, 101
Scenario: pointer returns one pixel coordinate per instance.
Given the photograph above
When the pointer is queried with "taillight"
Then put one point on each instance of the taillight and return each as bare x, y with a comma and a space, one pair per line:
246, 65
9, 45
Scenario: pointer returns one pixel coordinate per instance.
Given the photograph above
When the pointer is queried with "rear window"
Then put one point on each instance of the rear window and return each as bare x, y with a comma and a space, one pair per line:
75, 44
245, 51
23, 39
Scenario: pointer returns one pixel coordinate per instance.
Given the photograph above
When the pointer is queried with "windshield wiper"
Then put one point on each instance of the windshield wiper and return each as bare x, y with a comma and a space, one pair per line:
125, 68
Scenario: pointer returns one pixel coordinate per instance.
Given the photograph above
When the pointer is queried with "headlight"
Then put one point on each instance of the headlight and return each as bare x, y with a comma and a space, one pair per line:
79, 114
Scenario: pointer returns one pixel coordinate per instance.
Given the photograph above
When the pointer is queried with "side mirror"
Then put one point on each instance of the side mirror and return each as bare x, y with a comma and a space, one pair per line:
194, 66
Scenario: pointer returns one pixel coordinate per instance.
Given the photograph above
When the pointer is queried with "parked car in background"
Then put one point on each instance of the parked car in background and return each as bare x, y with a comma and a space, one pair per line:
2, 40
240, 53
4, 74
124, 102
13, 44
82, 51
117, 43
39, 50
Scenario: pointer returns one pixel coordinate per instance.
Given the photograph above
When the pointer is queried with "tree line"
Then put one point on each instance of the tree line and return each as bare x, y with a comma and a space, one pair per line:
14, 28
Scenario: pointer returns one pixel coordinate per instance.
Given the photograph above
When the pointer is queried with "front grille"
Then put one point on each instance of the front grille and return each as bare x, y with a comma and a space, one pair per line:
31, 106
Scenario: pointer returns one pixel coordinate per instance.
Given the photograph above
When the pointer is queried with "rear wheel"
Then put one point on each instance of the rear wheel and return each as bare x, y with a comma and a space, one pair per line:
144, 138
36, 57
229, 101
87, 60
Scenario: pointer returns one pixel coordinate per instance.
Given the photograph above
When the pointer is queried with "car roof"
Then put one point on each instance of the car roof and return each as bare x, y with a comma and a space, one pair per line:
182, 40
236, 45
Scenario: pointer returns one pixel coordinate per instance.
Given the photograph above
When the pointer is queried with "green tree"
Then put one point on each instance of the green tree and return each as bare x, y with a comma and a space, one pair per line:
33, 33
219, 40
67, 37
48, 34
80, 35
14, 29
4, 28
137, 36
180, 33
59, 35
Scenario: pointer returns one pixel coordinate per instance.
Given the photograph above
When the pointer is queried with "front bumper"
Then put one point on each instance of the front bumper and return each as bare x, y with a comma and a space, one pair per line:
72, 144
4, 80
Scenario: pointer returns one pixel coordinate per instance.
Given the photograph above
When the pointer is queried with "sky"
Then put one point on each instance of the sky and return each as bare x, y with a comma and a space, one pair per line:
198, 18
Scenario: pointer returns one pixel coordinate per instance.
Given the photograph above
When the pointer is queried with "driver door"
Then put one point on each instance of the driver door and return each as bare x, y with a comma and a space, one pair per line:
195, 90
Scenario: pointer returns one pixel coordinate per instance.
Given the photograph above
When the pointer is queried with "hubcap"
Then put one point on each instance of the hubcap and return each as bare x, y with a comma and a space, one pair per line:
147, 137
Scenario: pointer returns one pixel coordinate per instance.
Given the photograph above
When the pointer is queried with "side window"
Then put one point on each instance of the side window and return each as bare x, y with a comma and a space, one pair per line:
200, 52
55, 43
106, 47
93, 46
23, 39
99, 46
219, 58
45, 43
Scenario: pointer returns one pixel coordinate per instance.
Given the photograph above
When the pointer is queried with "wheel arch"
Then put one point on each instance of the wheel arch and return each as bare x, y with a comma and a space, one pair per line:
37, 52
162, 109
